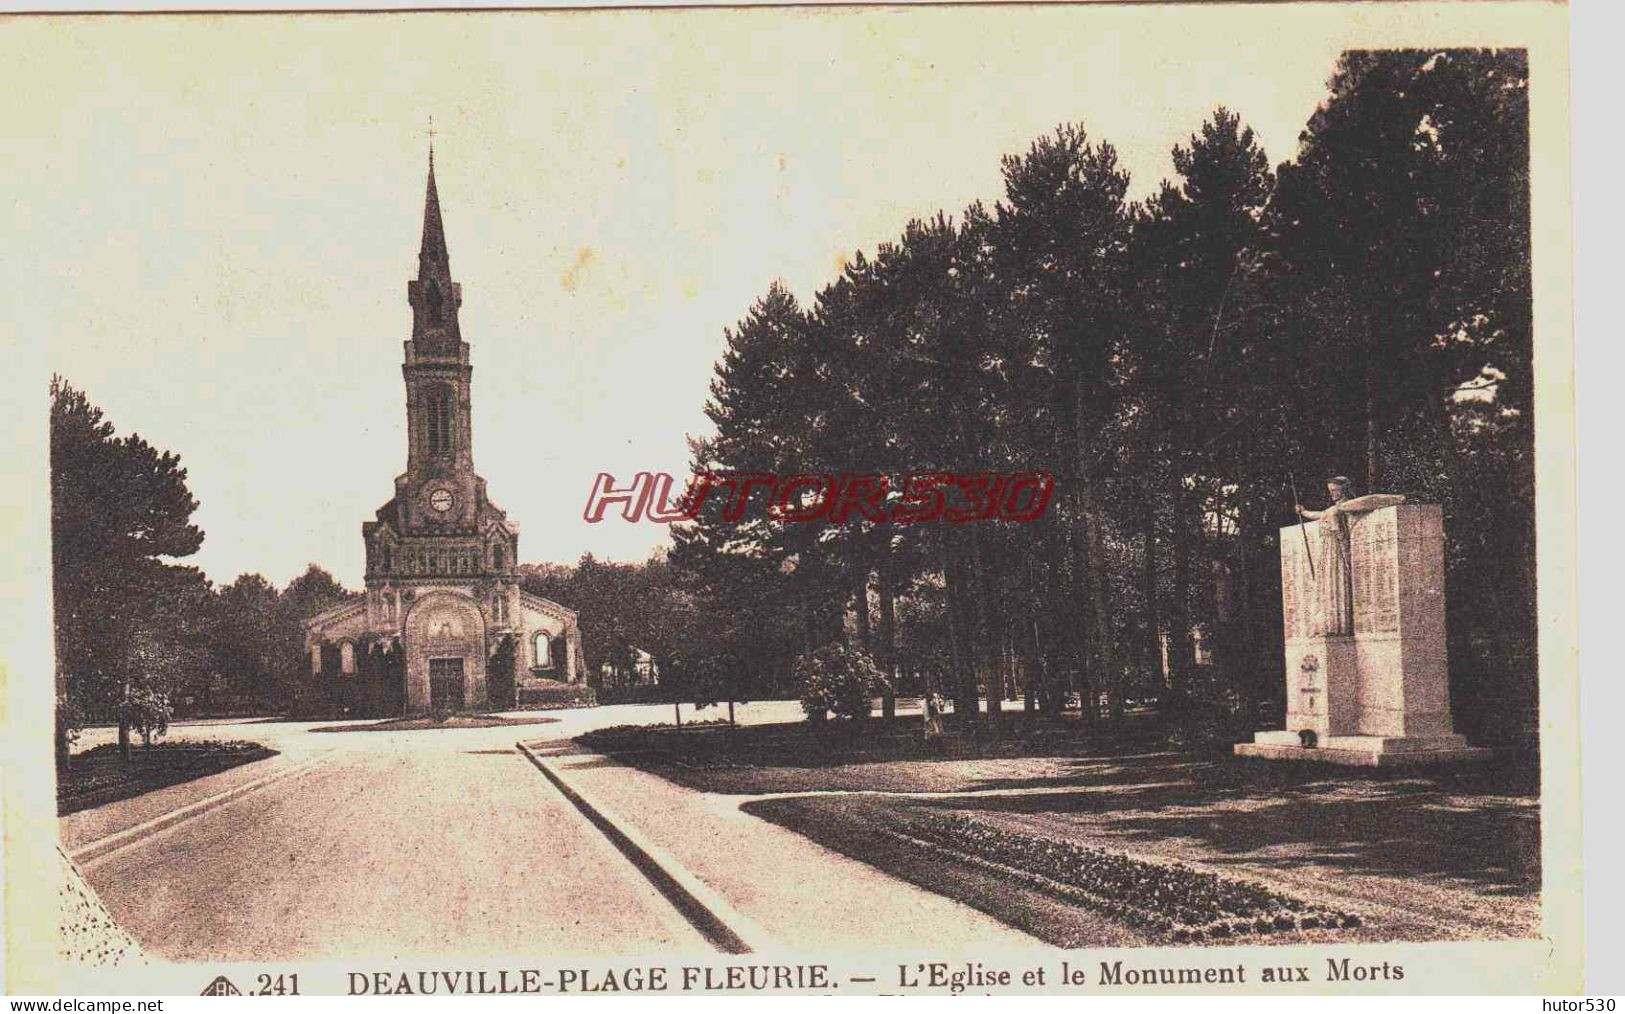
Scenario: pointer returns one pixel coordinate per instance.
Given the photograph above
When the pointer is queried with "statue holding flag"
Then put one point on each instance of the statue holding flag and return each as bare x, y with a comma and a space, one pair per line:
1333, 576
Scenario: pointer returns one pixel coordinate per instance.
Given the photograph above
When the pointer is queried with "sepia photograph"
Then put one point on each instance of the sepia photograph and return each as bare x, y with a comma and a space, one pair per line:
936, 499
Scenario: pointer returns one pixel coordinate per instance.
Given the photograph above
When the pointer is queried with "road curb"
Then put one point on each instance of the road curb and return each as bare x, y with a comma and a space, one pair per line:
108, 844
704, 908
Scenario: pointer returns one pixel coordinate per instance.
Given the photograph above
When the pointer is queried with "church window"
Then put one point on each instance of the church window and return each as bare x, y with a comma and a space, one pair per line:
315, 660
437, 415
543, 651
496, 558
347, 658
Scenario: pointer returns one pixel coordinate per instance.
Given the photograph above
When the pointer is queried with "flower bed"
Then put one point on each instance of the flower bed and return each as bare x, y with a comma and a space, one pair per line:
100, 775
1174, 900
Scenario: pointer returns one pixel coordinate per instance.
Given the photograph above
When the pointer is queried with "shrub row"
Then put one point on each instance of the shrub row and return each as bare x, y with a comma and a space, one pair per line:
544, 696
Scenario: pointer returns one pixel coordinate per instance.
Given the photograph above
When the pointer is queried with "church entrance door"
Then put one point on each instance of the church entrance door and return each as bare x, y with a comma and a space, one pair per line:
446, 684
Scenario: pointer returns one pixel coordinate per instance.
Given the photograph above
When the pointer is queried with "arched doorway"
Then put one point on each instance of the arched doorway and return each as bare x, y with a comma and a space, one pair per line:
445, 654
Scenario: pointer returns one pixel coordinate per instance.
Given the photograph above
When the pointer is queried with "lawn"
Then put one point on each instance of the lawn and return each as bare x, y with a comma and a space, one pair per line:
469, 721
100, 775
1038, 829
875, 754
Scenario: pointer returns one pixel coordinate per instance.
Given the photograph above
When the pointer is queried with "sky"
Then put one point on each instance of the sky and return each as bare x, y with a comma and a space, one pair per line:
215, 218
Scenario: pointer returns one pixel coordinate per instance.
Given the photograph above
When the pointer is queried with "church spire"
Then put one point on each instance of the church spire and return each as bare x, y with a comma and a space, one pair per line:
432, 258
433, 295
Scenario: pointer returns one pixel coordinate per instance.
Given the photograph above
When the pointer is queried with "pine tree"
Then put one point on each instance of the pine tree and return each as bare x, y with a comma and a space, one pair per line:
119, 509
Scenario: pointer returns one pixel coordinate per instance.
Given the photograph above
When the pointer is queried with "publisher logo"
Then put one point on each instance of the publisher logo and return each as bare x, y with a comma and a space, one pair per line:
221, 986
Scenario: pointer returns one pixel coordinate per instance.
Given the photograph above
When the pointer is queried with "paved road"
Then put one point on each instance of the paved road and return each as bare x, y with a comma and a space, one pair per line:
377, 844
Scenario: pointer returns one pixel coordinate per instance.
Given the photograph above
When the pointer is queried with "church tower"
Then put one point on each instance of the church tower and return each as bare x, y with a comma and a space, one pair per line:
444, 625
442, 493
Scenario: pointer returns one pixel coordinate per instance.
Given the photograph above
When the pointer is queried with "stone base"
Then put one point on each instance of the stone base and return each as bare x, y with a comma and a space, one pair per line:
1364, 751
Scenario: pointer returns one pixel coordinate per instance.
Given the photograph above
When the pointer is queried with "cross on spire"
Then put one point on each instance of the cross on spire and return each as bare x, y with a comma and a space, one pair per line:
431, 141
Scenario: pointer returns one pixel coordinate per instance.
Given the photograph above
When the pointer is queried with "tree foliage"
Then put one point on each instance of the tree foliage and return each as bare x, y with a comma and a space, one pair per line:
1187, 367
140, 638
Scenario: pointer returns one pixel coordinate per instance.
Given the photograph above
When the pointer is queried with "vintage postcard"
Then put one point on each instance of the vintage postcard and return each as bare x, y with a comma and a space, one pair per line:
1060, 498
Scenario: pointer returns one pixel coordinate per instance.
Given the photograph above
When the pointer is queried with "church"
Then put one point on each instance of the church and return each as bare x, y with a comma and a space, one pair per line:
444, 625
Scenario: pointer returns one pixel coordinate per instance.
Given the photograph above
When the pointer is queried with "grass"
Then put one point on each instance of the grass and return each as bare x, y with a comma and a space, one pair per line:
100, 775
872, 754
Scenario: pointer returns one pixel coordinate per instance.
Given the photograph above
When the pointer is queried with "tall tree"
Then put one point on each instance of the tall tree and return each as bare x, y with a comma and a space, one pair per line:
1197, 372
119, 509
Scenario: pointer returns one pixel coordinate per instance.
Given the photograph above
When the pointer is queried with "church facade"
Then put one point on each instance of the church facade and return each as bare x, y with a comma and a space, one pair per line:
444, 625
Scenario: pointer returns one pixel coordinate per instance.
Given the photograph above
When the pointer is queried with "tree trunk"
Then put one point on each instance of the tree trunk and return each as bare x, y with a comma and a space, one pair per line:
987, 622
1035, 675
1029, 650
1181, 652
1105, 644
677, 709
1246, 644
860, 612
1370, 410
124, 725
1153, 621
1082, 619
964, 675
731, 713
888, 636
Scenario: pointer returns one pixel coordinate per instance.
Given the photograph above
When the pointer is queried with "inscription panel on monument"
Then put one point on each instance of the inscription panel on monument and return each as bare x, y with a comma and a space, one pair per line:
1374, 556
1298, 600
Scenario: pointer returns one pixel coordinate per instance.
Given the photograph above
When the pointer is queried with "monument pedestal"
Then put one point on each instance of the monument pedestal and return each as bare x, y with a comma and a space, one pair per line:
1363, 751
1377, 695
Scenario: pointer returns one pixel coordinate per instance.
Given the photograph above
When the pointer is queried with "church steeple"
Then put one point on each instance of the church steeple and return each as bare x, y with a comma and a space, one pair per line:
435, 298
436, 369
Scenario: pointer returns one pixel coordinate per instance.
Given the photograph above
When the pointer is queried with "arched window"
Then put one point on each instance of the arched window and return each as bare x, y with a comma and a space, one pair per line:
496, 558
439, 434
315, 660
543, 652
347, 658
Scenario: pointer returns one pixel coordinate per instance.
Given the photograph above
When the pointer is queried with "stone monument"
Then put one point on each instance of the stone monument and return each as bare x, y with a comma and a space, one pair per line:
1367, 678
